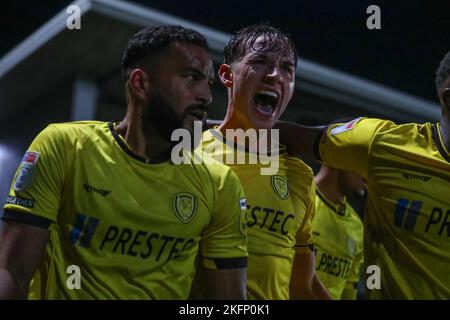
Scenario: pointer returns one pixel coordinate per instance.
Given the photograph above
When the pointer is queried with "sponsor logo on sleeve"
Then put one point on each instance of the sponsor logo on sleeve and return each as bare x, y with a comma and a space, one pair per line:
27, 166
344, 127
19, 201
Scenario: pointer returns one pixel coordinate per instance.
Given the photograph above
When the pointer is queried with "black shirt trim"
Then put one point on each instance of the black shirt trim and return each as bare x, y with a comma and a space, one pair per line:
123, 145
127, 150
231, 263
438, 143
26, 218
328, 204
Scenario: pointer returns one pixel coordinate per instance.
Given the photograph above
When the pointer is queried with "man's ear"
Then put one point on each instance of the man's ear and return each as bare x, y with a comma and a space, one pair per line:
225, 75
446, 98
138, 84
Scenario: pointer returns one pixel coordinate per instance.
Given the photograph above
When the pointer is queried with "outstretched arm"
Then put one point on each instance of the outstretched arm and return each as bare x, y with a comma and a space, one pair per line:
300, 140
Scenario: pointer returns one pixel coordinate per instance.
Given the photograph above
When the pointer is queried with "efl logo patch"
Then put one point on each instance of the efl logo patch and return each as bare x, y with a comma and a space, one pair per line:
185, 206
243, 204
243, 217
344, 127
25, 176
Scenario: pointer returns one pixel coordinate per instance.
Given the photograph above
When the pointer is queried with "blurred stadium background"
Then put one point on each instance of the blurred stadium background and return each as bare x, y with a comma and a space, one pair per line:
51, 74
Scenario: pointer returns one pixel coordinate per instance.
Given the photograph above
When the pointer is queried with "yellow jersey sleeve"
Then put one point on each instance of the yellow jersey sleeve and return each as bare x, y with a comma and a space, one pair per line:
224, 241
303, 238
347, 146
38, 184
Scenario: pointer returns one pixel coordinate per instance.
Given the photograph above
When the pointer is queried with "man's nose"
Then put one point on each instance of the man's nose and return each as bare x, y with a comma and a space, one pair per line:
274, 74
204, 96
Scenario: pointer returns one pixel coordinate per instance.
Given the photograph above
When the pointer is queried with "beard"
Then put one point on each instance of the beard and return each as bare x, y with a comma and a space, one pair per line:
163, 116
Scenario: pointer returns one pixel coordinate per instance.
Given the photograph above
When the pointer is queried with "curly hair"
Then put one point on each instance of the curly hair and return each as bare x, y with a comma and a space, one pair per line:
146, 44
244, 40
443, 72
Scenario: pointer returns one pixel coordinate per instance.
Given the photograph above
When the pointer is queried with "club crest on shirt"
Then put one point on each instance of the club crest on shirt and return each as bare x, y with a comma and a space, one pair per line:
185, 206
281, 186
25, 175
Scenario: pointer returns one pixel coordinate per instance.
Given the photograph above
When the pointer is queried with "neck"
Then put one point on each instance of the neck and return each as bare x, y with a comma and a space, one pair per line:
445, 133
143, 138
234, 121
263, 143
327, 182
239, 120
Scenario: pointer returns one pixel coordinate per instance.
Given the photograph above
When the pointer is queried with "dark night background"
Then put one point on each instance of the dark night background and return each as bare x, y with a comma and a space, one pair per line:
404, 54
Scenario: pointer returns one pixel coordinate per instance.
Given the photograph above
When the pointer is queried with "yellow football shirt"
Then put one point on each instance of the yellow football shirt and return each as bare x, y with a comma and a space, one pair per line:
407, 216
280, 209
338, 234
131, 227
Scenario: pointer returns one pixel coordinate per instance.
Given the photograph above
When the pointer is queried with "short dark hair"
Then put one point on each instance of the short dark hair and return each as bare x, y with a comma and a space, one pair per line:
443, 72
147, 43
244, 40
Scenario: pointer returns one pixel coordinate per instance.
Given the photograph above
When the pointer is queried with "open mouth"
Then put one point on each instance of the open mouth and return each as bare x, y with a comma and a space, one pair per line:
266, 102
